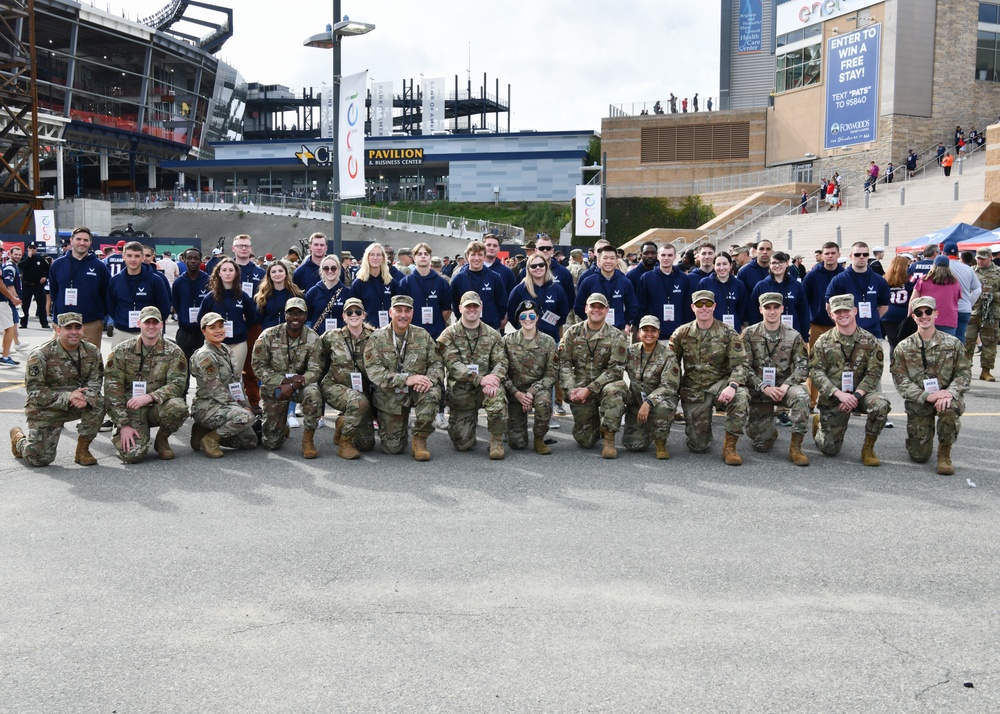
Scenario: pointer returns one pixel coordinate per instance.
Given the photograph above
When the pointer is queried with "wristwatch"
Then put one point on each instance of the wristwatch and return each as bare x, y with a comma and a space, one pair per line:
734, 385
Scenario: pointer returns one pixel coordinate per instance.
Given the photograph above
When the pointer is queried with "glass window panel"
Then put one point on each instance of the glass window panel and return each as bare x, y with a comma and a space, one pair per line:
988, 12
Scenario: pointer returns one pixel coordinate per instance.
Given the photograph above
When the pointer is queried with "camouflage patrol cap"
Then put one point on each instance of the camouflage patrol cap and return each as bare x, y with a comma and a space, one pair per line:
402, 300
841, 302
576, 253
597, 299
70, 318
470, 297
296, 303
924, 301
984, 252
354, 302
210, 318
770, 299
436, 262
649, 321
150, 313
703, 295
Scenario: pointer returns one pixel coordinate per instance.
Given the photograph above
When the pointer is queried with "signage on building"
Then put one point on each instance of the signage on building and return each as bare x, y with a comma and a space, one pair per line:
751, 26
433, 105
588, 210
394, 157
796, 14
382, 109
852, 69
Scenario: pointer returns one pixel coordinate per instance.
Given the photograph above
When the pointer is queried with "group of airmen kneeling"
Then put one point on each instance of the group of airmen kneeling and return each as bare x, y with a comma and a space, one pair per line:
376, 377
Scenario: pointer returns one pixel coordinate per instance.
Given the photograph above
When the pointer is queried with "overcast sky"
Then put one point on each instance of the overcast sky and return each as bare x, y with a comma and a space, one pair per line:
565, 61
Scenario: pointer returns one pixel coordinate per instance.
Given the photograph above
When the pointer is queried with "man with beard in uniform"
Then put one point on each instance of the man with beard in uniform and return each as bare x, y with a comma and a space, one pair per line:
281, 359
64, 378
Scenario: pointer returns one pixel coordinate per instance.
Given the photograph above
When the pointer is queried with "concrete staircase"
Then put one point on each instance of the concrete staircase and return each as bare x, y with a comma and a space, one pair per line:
929, 205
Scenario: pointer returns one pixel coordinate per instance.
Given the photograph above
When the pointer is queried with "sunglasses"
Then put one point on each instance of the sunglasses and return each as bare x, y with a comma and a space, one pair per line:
354, 312
536, 266
527, 316
704, 303
546, 248
861, 255
923, 312
330, 268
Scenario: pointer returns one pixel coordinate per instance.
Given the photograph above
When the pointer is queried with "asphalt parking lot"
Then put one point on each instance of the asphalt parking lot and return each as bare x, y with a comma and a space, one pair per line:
262, 582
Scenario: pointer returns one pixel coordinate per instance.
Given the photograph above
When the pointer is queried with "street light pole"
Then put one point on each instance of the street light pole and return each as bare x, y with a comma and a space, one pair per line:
331, 40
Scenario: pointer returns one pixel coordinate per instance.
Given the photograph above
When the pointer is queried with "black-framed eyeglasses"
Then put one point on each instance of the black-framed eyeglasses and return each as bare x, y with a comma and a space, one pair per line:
354, 312
704, 303
537, 265
923, 312
527, 316
861, 255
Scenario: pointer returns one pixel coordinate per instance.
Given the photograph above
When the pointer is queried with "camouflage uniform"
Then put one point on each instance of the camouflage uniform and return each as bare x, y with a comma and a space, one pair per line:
459, 349
785, 351
575, 270
388, 369
655, 380
532, 367
945, 358
164, 369
51, 374
710, 360
985, 320
595, 361
276, 355
339, 350
214, 407
832, 354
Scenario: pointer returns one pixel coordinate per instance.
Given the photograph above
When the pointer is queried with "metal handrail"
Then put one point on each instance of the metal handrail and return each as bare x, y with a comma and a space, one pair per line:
357, 213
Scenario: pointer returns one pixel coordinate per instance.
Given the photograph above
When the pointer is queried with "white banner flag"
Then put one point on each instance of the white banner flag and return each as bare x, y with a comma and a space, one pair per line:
45, 227
351, 135
433, 106
588, 210
382, 109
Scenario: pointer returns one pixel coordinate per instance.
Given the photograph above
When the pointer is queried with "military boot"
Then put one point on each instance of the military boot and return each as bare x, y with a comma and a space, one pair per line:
541, 447
162, 445
197, 433
419, 445
661, 449
944, 466
795, 454
609, 451
986, 376
345, 447
83, 455
868, 457
496, 447
308, 447
210, 445
16, 434
729, 454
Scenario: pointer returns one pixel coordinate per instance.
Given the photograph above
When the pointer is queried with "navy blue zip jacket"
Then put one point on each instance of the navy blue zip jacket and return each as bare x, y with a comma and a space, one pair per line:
657, 290
793, 296
550, 298
617, 289
187, 294
491, 290
730, 299
89, 277
815, 284
318, 297
751, 274
375, 295
134, 292
235, 305
431, 291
